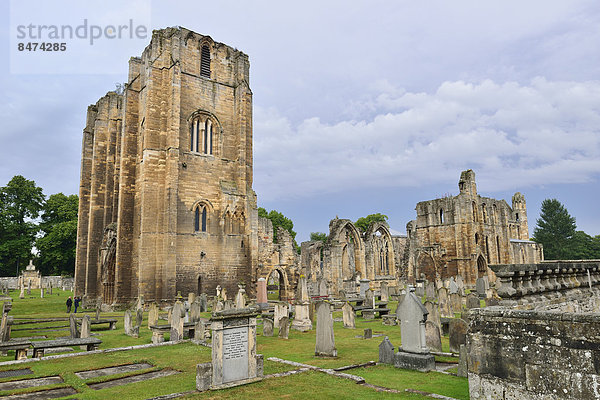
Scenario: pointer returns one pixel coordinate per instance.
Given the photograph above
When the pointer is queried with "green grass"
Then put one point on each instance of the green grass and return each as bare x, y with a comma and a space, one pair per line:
184, 357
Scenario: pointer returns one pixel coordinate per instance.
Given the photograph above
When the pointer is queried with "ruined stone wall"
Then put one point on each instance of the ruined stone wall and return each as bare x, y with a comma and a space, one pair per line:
533, 355
141, 170
461, 235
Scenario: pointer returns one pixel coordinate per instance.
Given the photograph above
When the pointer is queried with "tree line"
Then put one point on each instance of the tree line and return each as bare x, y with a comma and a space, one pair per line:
35, 227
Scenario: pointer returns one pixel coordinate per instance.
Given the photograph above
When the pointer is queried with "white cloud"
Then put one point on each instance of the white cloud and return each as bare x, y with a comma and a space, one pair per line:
512, 135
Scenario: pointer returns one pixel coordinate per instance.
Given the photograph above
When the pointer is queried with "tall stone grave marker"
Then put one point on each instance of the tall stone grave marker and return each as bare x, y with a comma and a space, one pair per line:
444, 302
85, 326
22, 294
453, 288
203, 302
370, 298
323, 289
455, 303
28, 287
385, 291
363, 286
191, 297
240, 300
481, 285
325, 343
195, 310
302, 320
74, 332
153, 314
234, 358
98, 308
348, 316
177, 321
457, 334
267, 327
281, 310
261, 293
42, 293
386, 352
434, 314
430, 290
432, 336
284, 327
473, 301
5, 326
414, 353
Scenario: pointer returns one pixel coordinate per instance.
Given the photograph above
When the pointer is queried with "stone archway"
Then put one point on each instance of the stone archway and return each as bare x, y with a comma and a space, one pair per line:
426, 266
277, 281
481, 267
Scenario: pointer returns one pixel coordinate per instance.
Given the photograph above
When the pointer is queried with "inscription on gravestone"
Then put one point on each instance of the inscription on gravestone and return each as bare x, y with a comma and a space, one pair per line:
235, 354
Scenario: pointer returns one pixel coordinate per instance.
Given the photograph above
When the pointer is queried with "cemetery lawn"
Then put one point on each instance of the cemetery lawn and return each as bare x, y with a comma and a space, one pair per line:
184, 357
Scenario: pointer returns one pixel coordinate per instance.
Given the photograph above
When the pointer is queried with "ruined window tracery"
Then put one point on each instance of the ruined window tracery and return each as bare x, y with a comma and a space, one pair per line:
201, 135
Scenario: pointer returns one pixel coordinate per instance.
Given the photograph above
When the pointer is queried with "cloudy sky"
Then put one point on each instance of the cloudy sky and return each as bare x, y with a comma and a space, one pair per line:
359, 106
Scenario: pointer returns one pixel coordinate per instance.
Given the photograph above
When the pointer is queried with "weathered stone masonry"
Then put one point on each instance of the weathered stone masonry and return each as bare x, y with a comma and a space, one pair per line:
166, 199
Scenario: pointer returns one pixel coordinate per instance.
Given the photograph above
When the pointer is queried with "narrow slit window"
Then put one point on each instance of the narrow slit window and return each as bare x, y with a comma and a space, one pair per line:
205, 62
197, 219
203, 219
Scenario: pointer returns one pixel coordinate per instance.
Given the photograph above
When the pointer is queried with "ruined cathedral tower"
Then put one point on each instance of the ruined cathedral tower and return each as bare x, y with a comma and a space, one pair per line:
166, 202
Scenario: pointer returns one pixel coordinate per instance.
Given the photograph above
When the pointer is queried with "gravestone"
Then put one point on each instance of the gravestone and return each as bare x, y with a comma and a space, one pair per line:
457, 334
128, 324
195, 308
191, 297
28, 287
98, 308
234, 359
261, 293
455, 303
430, 290
462, 361
49, 289
369, 299
368, 333
420, 288
386, 352
284, 327
218, 290
228, 305
323, 290
139, 317
302, 320
461, 285
224, 294
472, 301
267, 327
42, 293
432, 336
325, 342
153, 314
348, 316
219, 306
363, 287
5, 326
199, 331
434, 314
281, 310
85, 326
444, 303
140, 303
177, 320
73, 331
385, 292
203, 302
240, 300
480, 286
22, 294
414, 353
453, 287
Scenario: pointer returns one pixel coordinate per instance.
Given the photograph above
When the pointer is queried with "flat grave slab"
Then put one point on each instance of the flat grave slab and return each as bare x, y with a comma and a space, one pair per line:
132, 379
27, 383
43, 395
15, 372
119, 369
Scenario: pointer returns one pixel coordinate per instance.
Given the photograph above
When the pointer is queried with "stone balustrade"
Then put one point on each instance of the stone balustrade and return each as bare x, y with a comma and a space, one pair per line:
547, 278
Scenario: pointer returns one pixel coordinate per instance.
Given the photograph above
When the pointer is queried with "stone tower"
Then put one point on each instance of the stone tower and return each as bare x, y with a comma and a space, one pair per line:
166, 199
519, 209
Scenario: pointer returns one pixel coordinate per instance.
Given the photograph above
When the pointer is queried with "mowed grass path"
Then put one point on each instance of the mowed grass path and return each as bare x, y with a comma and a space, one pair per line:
184, 357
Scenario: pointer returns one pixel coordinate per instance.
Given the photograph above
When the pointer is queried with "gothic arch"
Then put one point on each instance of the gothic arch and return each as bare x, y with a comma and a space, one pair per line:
379, 239
426, 266
283, 282
481, 266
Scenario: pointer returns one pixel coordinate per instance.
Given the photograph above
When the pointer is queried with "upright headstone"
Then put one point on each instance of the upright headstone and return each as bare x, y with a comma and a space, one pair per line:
455, 303
153, 314
386, 352
348, 316
462, 361
284, 327
432, 336
267, 327
177, 322
325, 342
281, 310
128, 323
85, 326
370, 299
472, 301
453, 288
261, 293
195, 310
363, 287
302, 320
28, 287
430, 290
139, 317
191, 297
224, 294
461, 285
240, 300
22, 294
457, 334
50, 289
444, 302
234, 358
199, 331
419, 289
74, 332
414, 353
140, 302
368, 333
203, 302
42, 293
5, 326
323, 290
385, 292
434, 314
98, 308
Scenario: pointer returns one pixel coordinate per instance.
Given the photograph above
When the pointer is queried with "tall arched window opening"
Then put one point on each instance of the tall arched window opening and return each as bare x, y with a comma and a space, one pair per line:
200, 218
205, 62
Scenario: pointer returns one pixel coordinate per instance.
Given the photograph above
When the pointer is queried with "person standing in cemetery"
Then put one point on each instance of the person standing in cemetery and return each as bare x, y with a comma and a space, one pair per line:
69, 304
77, 300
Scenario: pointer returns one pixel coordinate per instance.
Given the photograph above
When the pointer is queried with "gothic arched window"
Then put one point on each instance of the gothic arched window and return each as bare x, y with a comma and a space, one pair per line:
200, 218
201, 135
205, 62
